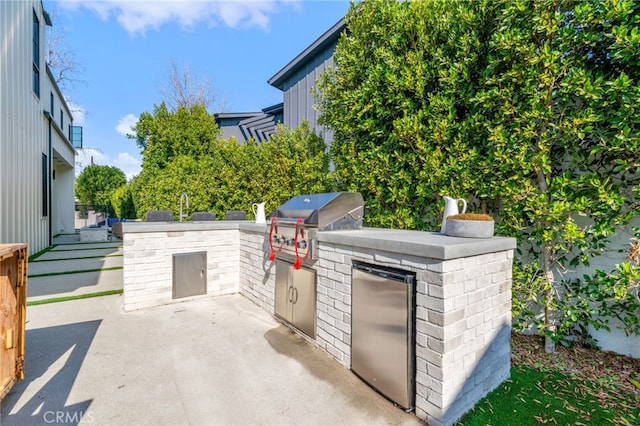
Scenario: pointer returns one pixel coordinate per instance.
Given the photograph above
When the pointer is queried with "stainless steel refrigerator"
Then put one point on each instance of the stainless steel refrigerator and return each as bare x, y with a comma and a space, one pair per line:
382, 331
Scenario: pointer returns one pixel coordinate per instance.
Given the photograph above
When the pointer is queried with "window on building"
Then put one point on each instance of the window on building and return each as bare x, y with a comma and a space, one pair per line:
61, 119
51, 100
75, 136
45, 185
36, 54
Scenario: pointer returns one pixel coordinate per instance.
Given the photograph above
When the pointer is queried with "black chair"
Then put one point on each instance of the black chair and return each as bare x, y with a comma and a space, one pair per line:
203, 216
159, 216
235, 215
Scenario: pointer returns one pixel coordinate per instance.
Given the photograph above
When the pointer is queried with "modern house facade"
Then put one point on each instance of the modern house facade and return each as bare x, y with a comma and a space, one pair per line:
298, 79
36, 153
245, 125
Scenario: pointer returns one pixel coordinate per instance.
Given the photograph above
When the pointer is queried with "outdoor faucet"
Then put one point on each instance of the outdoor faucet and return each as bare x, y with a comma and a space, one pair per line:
184, 197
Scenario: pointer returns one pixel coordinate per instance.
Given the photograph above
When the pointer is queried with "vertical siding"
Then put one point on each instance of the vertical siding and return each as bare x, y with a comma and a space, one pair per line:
62, 183
63, 205
299, 100
23, 134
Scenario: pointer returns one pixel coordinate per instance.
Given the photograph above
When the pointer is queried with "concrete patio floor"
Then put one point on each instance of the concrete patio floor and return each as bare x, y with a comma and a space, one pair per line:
211, 361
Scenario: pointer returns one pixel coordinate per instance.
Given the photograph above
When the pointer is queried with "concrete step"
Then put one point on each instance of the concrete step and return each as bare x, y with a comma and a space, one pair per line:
73, 284
70, 265
61, 255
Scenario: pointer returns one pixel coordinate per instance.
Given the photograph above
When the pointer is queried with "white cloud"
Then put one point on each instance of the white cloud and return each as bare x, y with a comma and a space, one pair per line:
136, 17
246, 13
87, 156
77, 111
126, 123
129, 164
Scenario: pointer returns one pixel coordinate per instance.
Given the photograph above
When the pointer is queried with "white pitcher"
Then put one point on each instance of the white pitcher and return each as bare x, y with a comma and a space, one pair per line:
258, 212
451, 208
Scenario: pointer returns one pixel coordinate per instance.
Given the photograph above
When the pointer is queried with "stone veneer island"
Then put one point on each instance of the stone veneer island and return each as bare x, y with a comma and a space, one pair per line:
463, 294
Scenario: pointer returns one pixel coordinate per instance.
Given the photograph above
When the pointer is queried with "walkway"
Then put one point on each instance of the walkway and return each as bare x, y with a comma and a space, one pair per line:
212, 361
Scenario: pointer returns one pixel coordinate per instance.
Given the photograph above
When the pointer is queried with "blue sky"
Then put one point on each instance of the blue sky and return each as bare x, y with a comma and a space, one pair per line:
124, 50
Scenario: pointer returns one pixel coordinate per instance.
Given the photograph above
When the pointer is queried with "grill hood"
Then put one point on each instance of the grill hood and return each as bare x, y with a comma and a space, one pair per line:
328, 211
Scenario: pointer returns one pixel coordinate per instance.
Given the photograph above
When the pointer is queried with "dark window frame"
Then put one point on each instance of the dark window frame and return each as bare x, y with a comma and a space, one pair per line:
45, 185
36, 54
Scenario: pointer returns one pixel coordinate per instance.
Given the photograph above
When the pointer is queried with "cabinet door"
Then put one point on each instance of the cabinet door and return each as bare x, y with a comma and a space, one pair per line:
283, 290
189, 274
304, 300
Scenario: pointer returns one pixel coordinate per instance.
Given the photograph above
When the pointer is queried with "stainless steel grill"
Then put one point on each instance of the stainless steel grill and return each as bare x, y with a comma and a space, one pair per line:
295, 224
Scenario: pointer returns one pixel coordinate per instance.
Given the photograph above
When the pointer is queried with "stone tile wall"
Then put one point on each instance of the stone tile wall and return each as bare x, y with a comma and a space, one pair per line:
463, 323
257, 273
463, 305
148, 264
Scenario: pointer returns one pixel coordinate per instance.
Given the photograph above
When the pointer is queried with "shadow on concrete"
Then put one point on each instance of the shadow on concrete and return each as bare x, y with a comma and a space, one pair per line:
65, 254
354, 391
69, 284
53, 358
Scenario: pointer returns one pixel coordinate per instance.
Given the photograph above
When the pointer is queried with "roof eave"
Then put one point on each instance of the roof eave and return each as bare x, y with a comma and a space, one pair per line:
330, 36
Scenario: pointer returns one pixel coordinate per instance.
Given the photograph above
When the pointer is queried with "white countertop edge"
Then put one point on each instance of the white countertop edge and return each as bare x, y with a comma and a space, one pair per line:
142, 227
418, 243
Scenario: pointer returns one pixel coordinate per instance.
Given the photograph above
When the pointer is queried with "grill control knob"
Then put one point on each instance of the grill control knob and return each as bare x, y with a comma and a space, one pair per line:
275, 239
282, 239
302, 244
289, 242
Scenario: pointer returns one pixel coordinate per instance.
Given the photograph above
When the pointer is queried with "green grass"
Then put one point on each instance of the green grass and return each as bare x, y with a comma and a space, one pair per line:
66, 298
76, 248
80, 271
77, 258
40, 253
532, 397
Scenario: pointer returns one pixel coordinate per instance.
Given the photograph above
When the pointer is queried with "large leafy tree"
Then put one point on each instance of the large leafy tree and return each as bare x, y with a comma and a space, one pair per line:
164, 135
122, 202
183, 152
96, 184
527, 109
561, 94
400, 104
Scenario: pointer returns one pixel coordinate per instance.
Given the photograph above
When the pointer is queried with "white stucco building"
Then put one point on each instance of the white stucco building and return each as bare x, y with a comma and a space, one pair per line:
36, 153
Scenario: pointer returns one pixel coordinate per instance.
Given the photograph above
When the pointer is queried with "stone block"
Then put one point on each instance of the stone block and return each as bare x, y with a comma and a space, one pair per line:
334, 257
387, 258
432, 357
421, 299
421, 313
416, 263
89, 234
326, 318
430, 277
449, 318
454, 285
448, 265
435, 304
435, 290
343, 326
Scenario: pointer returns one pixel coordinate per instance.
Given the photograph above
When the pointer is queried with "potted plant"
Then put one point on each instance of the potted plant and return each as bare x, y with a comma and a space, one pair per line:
470, 225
